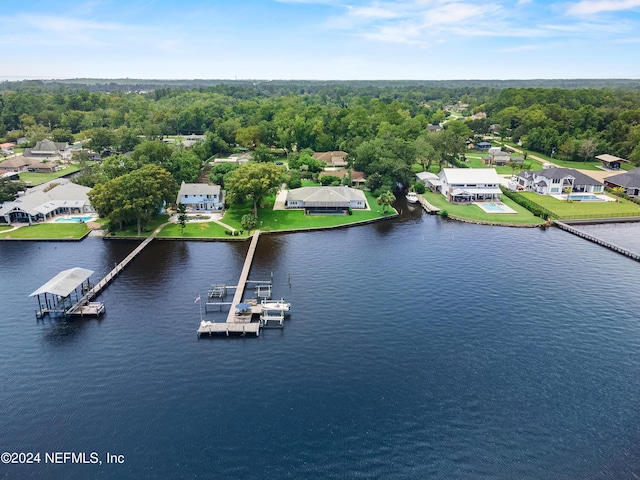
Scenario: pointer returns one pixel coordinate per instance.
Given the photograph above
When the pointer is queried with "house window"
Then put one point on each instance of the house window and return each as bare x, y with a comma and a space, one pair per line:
555, 190
555, 180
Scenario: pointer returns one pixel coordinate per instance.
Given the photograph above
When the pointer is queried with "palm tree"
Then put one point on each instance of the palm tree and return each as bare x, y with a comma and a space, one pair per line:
618, 191
568, 190
385, 199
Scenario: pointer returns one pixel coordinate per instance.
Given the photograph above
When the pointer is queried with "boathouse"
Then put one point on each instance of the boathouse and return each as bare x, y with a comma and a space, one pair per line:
63, 295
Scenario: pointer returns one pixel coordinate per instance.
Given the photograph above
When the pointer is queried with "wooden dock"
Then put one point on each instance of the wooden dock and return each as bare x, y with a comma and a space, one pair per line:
237, 323
85, 306
244, 275
599, 241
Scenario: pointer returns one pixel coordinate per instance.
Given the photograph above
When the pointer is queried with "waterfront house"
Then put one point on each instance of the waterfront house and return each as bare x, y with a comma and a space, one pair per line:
611, 161
630, 181
555, 181
337, 159
466, 185
201, 197
326, 199
39, 204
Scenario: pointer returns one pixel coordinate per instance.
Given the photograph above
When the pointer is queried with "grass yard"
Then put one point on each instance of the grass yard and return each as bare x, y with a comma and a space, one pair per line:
576, 210
197, 230
132, 230
275, 220
5, 227
58, 231
32, 179
473, 212
591, 165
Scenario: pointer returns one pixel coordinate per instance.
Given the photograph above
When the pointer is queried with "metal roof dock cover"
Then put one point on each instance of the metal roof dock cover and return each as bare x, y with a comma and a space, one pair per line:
65, 282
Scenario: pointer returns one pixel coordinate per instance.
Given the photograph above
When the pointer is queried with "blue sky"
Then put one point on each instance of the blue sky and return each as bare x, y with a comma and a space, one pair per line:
321, 39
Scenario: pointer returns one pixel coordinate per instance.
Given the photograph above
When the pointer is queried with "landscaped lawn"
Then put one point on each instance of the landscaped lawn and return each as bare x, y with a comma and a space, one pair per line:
197, 230
473, 212
132, 230
31, 178
576, 210
49, 231
5, 227
273, 220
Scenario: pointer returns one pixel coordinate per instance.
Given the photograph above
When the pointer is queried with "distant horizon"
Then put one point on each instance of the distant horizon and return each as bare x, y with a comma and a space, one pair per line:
328, 40
192, 79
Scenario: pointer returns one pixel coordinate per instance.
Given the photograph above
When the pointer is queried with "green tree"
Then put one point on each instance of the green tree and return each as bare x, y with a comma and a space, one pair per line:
220, 171
587, 149
101, 139
9, 189
254, 181
248, 222
181, 210
386, 199
262, 154
134, 197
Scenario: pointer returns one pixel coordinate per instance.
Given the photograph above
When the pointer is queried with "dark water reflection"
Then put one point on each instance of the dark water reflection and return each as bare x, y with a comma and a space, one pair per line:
417, 348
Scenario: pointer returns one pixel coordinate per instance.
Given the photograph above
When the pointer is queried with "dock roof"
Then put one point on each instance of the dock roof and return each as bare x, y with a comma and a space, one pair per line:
65, 282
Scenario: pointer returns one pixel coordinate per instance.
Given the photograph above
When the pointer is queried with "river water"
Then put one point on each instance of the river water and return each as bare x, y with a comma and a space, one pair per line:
417, 348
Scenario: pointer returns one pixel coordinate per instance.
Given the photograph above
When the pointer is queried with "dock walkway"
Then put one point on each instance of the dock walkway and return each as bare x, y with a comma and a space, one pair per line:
82, 306
599, 241
244, 275
236, 324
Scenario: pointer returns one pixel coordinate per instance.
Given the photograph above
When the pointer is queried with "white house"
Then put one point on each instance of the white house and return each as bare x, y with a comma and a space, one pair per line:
555, 181
201, 196
326, 198
466, 185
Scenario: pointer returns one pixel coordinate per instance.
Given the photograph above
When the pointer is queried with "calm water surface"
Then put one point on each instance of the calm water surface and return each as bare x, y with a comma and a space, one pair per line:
417, 348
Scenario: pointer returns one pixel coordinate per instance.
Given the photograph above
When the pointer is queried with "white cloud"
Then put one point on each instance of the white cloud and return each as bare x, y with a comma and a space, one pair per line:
591, 7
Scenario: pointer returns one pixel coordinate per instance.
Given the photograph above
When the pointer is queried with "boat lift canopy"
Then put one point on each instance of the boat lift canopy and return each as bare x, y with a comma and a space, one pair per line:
65, 282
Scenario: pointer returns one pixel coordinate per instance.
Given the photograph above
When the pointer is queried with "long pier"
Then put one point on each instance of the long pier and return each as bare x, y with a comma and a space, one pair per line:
599, 241
237, 323
244, 275
82, 306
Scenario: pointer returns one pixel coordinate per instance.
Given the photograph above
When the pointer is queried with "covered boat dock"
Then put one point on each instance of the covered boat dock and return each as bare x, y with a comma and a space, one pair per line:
64, 295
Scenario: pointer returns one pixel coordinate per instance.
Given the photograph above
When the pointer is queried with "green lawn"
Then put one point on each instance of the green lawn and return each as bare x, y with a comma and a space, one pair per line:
473, 212
310, 183
591, 165
274, 220
132, 230
5, 227
32, 179
576, 210
49, 231
197, 230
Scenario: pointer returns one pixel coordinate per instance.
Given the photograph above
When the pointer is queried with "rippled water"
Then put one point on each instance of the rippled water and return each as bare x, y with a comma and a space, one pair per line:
417, 348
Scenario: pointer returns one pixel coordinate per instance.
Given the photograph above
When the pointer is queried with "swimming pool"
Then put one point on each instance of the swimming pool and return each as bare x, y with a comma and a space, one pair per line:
74, 219
493, 207
584, 197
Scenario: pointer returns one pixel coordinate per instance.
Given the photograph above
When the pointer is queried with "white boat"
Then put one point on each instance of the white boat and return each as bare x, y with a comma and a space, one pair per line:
412, 197
275, 305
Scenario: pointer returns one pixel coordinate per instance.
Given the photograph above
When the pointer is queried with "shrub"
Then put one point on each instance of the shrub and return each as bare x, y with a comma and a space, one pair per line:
420, 188
443, 213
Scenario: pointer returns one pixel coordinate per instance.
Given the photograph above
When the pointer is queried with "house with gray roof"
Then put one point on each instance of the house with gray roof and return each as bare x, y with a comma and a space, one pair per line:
555, 181
201, 197
47, 150
38, 205
630, 181
326, 199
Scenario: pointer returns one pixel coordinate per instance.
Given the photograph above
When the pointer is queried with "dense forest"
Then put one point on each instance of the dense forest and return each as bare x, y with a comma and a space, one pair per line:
382, 126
